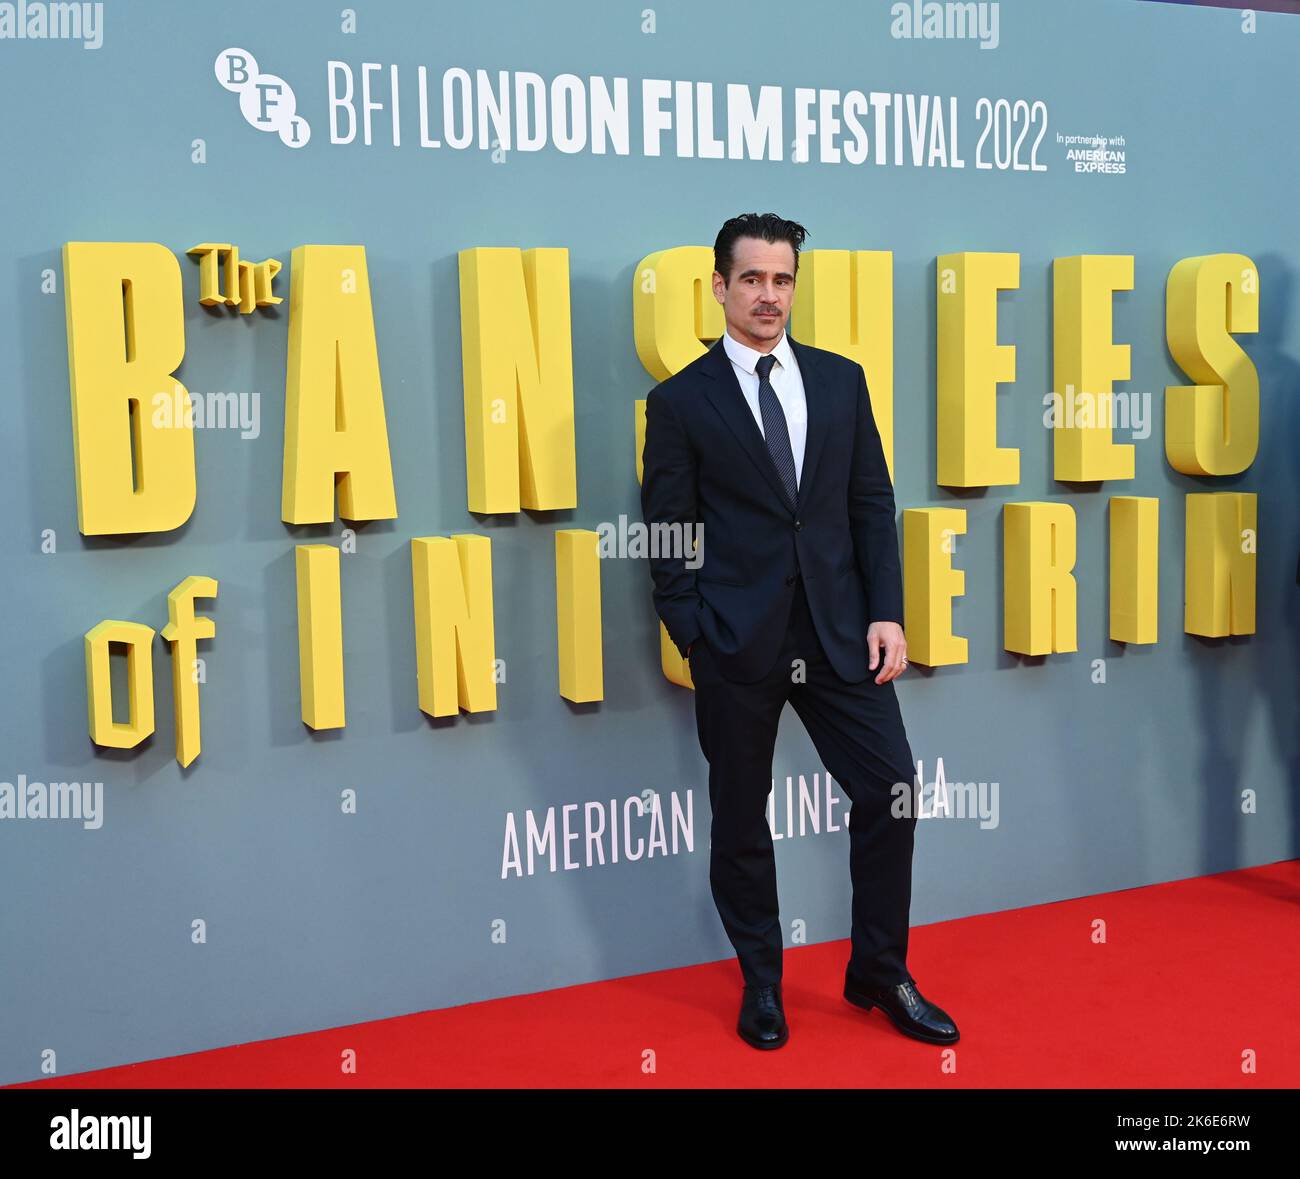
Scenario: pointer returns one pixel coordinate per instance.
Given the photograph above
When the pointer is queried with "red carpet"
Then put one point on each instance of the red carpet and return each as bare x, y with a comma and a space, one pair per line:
1193, 975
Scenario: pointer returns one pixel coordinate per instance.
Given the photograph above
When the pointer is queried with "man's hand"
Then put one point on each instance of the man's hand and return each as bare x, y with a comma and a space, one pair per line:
890, 636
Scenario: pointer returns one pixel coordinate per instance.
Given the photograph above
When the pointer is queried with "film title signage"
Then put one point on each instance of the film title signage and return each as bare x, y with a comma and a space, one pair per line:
136, 469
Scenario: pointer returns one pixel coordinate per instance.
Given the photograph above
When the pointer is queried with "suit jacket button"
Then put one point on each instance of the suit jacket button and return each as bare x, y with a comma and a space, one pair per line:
789, 580
797, 525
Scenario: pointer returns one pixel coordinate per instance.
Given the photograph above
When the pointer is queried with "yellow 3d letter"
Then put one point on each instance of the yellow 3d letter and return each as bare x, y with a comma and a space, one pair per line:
334, 428
183, 630
846, 304
577, 611
673, 311
320, 636
517, 352
1040, 593
455, 634
1212, 427
138, 639
126, 337
971, 364
930, 584
673, 308
1085, 365
1134, 568
1220, 564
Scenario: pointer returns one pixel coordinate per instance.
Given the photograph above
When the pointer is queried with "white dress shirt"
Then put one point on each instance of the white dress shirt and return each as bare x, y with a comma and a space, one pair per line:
786, 383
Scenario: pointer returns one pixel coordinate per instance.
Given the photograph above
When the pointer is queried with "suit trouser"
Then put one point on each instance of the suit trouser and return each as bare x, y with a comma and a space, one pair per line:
858, 733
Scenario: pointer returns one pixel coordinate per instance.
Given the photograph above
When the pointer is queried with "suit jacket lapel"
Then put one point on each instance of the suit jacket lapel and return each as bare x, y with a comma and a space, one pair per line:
727, 397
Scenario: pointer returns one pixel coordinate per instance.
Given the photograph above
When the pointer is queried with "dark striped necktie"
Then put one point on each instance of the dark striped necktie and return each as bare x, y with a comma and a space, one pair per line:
776, 432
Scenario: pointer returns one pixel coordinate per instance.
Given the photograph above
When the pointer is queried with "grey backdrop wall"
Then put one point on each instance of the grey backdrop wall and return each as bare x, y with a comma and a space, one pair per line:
316, 918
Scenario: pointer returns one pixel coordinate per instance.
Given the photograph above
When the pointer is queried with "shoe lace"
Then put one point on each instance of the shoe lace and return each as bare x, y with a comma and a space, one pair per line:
768, 997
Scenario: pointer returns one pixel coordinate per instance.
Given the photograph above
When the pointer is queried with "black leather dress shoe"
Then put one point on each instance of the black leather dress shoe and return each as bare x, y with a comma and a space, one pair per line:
762, 1017
911, 1013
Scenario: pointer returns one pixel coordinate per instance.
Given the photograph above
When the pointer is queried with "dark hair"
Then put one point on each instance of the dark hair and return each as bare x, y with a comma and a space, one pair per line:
767, 226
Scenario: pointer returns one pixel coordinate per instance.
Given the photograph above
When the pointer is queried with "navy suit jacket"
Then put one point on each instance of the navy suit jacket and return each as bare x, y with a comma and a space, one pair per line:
705, 463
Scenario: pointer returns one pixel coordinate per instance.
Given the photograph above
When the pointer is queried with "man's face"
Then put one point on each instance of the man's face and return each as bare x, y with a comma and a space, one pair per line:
757, 300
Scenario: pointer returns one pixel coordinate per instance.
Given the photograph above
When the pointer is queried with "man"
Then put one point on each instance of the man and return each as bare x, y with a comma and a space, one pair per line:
768, 448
